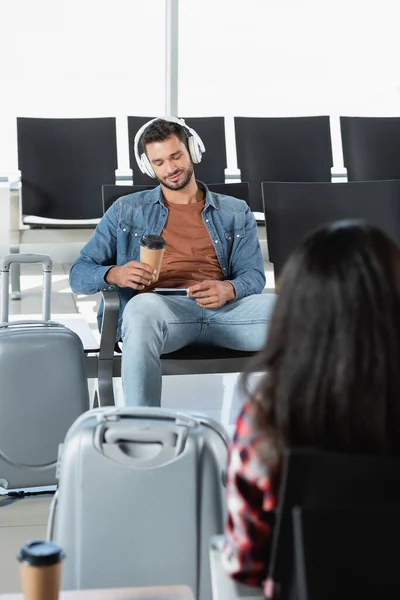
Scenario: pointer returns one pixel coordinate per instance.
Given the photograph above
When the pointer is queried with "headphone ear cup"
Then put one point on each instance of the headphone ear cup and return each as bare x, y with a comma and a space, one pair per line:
194, 149
148, 169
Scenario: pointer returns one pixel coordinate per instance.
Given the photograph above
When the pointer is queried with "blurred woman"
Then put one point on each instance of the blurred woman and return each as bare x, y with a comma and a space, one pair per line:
331, 379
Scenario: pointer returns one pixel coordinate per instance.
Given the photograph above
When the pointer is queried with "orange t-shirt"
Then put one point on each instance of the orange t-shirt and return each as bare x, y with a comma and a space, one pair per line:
189, 256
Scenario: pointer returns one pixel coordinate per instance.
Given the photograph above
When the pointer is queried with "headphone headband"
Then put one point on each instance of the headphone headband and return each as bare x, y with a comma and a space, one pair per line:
196, 146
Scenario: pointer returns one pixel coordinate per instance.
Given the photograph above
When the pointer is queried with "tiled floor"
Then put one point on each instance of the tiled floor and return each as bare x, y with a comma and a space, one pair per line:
218, 396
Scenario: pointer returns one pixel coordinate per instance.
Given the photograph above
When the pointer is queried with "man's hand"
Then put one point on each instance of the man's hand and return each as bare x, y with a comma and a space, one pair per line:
212, 294
135, 275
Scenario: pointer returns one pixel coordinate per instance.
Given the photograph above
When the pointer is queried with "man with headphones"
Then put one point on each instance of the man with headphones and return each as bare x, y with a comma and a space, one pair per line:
212, 252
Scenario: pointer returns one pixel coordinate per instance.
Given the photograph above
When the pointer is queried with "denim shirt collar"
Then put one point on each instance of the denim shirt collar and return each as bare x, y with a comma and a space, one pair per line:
157, 196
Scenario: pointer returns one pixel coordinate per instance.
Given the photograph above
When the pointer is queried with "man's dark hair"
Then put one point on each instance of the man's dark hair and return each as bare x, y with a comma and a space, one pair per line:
331, 360
160, 130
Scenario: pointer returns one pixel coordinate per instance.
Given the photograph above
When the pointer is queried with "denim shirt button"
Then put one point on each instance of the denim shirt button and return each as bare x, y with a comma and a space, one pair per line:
207, 220
124, 229
216, 241
238, 235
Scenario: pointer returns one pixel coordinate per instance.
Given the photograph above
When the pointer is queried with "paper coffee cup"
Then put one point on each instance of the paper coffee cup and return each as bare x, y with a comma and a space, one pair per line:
151, 251
40, 569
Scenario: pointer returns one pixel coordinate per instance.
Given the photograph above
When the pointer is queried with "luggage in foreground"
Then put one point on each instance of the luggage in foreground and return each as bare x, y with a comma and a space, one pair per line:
43, 387
141, 492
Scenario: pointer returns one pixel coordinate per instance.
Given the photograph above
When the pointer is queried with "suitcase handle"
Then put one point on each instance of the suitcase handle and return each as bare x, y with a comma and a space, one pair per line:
179, 418
25, 258
171, 437
141, 448
145, 413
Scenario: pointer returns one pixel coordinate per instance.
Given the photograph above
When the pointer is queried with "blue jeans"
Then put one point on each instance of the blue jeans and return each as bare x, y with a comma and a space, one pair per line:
153, 325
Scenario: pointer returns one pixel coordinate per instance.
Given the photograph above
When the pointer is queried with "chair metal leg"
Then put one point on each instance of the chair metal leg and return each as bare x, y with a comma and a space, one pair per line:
95, 400
107, 346
15, 275
105, 382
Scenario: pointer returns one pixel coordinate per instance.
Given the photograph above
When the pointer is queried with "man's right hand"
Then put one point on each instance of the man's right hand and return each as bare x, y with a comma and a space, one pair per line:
133, 274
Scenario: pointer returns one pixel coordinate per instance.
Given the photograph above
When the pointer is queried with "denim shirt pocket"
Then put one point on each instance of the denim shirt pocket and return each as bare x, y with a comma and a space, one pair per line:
232, 237
128, 240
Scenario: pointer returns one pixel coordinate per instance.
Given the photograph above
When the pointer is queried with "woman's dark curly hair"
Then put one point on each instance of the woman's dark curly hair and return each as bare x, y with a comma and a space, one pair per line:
332, 357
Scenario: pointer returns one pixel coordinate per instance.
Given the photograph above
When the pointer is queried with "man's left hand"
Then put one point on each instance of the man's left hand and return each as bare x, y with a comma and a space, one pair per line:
212, 294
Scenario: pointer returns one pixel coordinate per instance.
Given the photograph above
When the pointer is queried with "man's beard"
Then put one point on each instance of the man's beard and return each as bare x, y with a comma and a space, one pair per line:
179, 185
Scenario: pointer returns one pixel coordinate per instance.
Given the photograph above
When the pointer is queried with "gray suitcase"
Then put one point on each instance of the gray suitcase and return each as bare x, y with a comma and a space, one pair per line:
43, 387
141, 493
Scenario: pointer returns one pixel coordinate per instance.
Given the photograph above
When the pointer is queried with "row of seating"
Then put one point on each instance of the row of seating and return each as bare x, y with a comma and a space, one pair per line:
64, 162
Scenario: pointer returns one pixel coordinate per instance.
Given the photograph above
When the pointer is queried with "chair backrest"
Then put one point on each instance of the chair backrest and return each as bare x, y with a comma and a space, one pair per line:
347, 553
64, 163
320, 480
212, 132
292, 210
282, 149
371, 147
237, 190
110, 193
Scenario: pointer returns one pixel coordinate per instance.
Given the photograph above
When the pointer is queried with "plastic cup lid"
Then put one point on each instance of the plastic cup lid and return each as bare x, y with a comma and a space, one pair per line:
153, 242
40, 554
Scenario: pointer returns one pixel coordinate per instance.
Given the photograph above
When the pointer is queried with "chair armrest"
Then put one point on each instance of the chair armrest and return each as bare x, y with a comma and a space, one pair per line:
109, 324
107, 345
223, 586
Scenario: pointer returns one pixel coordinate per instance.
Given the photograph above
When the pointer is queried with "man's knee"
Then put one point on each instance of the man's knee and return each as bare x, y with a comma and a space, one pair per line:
268, 301
259, 306
142, 312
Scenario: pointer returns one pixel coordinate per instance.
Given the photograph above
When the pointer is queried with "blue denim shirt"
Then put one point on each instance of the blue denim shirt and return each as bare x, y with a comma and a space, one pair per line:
115, 241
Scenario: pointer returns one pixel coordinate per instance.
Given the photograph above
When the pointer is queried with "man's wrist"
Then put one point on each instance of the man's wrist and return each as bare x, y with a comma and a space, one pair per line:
110, 276
230, 290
